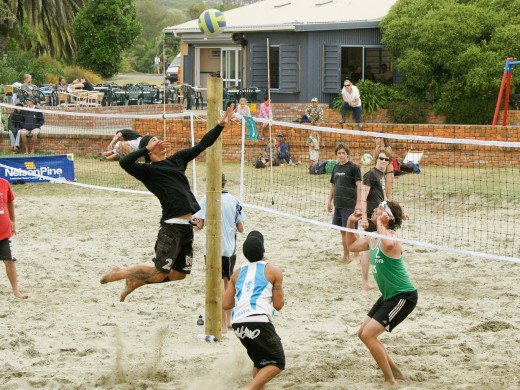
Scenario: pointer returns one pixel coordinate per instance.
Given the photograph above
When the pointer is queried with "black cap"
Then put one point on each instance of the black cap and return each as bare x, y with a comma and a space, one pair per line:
280, 134
142, 144
30, 98
253, 247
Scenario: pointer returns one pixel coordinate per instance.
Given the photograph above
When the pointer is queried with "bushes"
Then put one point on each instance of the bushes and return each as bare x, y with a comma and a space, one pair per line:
407, 111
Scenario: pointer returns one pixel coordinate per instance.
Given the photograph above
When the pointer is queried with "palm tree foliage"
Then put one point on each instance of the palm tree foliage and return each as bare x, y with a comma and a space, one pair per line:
42, 26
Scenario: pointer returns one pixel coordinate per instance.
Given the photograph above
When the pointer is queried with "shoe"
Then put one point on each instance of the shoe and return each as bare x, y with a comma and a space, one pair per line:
341, 122
261, 138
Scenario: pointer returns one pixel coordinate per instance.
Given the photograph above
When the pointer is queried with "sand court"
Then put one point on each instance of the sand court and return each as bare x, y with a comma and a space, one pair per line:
73, 333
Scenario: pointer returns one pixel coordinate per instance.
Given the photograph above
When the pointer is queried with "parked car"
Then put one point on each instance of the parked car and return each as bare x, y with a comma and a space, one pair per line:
172, 73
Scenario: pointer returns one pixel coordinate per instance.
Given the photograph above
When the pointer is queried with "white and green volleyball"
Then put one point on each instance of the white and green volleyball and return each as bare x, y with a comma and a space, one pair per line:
212, 22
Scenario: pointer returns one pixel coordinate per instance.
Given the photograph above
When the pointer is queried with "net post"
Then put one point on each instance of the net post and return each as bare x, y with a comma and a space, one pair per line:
213, 299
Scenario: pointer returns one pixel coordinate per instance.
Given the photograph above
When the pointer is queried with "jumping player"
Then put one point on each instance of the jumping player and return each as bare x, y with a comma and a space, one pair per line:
399, 296
165, 177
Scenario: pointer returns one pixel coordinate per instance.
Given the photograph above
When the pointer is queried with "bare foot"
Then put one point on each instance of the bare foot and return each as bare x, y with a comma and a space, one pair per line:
18, 294
397, 373
355, 261
390, 384
367, 286
111, 276
130, 286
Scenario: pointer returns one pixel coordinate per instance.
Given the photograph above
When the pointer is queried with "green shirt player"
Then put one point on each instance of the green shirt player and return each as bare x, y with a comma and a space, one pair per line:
399, 296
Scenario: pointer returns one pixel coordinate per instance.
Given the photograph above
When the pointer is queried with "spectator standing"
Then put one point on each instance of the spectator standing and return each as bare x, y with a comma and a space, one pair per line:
32, 121
314, 147
384, 144
157, 64
372, 194
255, 292
267, 114
313, 113
14, 126
351, 101
7, 229
345, 194
233, 217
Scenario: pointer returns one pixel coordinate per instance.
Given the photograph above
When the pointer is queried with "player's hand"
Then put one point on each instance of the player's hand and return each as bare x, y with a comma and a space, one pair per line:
383, 218
364, 223
227, 115
13, 227
329, 207
156, 145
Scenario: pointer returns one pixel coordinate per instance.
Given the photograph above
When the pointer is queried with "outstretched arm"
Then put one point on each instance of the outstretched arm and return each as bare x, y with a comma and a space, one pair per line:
209, 138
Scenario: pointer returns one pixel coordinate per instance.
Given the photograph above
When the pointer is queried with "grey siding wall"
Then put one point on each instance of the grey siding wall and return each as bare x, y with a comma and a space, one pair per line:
309, 71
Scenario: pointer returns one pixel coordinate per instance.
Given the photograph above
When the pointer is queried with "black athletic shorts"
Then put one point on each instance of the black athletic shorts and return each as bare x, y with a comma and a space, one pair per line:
228, 265
5, 250
263, 345
393, 311
174, 248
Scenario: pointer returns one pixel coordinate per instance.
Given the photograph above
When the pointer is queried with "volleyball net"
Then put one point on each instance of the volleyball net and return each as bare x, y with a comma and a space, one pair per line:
461, 194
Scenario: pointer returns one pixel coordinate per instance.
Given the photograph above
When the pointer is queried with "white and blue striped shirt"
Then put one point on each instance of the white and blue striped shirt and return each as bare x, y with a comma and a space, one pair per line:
254, 294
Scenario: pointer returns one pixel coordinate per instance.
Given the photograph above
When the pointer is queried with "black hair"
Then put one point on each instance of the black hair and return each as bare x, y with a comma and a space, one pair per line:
397, 211
142, 144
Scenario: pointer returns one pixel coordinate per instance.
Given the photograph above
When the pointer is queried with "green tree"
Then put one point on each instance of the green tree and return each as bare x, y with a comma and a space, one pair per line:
452, 53
153, 18
103, 30
39, 26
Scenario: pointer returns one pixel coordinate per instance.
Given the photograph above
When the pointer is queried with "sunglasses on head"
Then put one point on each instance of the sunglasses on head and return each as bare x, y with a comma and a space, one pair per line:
386, 208
384, 158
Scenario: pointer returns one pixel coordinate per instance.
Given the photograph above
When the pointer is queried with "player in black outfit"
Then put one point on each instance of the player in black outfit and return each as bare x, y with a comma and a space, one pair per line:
165, 178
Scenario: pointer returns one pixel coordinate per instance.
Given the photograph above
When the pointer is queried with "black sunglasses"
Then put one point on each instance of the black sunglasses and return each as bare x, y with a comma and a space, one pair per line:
384, 158
348, 85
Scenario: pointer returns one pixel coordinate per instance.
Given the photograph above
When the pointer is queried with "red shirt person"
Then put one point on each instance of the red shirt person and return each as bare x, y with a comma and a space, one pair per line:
7, 229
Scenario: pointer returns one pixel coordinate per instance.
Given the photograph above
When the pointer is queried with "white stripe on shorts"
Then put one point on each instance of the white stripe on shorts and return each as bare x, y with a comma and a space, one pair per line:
396, 309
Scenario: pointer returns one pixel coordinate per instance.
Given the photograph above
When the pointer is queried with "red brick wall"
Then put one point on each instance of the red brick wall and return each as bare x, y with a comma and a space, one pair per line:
177, 132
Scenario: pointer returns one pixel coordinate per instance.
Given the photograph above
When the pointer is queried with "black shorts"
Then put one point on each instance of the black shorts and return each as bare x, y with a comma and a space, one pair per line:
228, 265
265, 348
393, 311
5, 250
174, 248
341, 215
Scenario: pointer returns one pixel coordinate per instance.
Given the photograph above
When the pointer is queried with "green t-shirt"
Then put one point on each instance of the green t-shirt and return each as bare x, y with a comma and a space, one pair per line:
390, 274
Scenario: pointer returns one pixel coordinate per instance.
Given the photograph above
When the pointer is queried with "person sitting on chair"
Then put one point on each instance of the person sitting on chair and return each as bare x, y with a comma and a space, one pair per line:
32, 121
14, 126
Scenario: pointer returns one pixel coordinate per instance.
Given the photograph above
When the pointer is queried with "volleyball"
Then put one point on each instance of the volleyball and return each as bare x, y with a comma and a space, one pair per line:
212, 22
366, 159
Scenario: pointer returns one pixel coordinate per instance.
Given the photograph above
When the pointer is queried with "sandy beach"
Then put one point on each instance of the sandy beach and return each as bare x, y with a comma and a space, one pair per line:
73, 333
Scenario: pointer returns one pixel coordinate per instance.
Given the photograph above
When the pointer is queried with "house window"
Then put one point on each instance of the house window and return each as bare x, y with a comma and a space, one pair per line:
274, 66
358, 63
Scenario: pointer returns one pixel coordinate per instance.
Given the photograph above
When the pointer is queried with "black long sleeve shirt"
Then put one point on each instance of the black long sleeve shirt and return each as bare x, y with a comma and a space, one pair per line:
167, 179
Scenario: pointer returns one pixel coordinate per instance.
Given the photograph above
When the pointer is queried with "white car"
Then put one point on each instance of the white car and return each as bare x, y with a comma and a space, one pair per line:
172, 73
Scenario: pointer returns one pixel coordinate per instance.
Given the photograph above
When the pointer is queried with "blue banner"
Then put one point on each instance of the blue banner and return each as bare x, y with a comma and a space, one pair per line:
37, 169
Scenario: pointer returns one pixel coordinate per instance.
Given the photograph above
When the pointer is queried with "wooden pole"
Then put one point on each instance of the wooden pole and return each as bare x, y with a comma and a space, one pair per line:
214, 215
